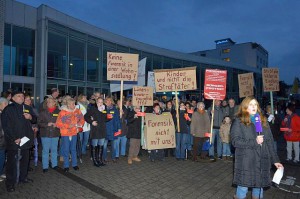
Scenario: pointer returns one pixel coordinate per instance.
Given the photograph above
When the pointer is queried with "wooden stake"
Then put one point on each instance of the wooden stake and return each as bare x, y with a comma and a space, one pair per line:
121, 99
212, 120
177, 111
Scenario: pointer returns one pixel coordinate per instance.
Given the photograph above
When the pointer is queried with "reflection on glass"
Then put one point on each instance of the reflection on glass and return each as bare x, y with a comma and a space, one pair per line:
56, 63
76, 60
7, 45
92, 63
23, 40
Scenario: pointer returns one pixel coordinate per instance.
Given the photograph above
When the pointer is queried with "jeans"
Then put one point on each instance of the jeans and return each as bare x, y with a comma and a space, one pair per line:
99, 142
190, 140
69, 146
215, 134
123, 141
226, 149
116, 147
182, 140
84, 138
112, 142
2, 160
49, 144
241, 192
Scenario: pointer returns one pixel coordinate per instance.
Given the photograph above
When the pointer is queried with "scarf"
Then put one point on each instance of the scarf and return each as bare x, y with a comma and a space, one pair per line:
51, 110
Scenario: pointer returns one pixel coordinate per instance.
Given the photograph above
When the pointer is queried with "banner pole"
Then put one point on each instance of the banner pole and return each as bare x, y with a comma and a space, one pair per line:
272, 105
177, 111
121, 98
142, 128
212, 120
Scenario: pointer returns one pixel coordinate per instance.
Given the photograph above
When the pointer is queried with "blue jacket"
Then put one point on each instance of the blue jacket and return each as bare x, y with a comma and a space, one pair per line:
114, 124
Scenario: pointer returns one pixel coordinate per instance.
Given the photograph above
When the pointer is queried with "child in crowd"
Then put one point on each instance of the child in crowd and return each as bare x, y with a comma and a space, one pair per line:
225, 137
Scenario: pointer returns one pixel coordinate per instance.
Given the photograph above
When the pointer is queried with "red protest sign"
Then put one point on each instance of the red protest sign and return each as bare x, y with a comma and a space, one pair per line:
215, 84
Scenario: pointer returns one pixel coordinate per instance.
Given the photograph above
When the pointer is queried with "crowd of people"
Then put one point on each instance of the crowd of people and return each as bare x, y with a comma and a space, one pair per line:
68, 127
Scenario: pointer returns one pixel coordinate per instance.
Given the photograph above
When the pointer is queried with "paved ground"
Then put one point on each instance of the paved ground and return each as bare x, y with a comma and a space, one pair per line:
167, 179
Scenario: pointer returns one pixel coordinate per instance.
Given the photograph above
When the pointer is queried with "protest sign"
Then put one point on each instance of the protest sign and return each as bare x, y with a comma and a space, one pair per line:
246, 83
159, 131
215, 84
116, 85
179, 79
122, 66
270, 78
142, 96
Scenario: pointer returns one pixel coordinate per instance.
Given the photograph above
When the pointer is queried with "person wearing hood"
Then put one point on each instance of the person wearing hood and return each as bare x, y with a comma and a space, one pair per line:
68, 121
17, 119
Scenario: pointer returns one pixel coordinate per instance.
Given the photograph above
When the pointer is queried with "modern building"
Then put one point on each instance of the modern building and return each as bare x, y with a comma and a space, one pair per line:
250, 54
44, 48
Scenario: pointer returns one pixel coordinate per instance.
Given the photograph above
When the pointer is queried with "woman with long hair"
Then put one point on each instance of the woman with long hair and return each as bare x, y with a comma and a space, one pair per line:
254, 152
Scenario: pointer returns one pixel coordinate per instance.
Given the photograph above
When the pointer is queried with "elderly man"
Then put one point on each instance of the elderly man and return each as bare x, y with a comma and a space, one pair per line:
16, 121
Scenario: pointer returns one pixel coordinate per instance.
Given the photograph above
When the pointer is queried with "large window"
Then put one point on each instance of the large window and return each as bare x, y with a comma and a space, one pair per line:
23, 40
92, 63
105, 50
56, 63
157, 62
76, 60
7, 45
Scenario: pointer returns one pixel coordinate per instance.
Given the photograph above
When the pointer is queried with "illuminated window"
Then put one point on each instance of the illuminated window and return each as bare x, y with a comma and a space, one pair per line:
227, 50
226, 59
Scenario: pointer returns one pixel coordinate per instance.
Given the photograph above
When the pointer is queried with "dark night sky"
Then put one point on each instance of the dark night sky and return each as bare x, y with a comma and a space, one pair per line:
193, 25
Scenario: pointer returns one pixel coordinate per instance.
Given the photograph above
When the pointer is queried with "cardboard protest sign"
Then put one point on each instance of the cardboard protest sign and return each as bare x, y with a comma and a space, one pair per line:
142, 96
175, 79
159, 131
246, 83
270, 78
122, 66
215, 84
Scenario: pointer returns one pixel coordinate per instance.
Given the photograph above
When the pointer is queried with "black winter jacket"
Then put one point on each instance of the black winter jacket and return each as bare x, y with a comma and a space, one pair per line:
93, 114
2, 138
252, 161
16, 126
134, 126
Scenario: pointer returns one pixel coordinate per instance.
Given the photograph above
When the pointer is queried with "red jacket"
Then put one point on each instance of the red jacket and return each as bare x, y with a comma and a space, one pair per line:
293, 136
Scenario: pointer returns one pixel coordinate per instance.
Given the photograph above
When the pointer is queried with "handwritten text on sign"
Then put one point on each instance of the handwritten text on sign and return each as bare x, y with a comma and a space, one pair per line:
270, 79
159, 131
175, 80
122, 66
142, 96
245, 84
215, 84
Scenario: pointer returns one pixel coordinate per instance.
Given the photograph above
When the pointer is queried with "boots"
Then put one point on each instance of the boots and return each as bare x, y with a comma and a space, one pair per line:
100, 155
93, 153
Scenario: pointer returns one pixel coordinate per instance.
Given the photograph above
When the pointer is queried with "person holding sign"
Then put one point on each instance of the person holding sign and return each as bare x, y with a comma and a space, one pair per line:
217, 121
134, 134
292, 135
254, 152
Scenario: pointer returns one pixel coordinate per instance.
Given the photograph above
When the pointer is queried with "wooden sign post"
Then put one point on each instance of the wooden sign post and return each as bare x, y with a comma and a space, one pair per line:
180, 79
214, 89
122, 67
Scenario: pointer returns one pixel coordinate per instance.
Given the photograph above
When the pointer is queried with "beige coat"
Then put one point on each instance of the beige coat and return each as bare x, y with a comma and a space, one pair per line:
200, 124
225, 132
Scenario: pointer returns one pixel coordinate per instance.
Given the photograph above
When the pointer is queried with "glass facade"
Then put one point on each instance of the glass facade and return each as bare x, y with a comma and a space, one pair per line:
19, 50
76, 62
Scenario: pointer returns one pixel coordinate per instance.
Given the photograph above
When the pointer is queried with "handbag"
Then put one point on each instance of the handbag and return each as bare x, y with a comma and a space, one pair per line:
206, 145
